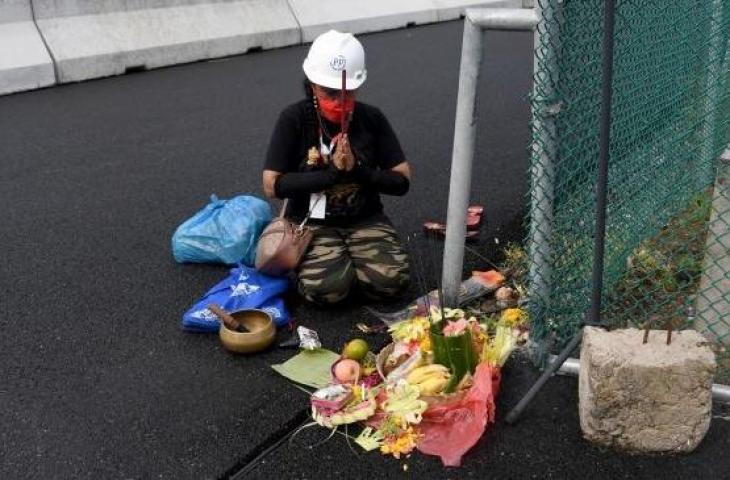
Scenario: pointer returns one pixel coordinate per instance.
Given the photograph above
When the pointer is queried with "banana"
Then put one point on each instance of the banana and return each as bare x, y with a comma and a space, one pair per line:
420, 374
433, 386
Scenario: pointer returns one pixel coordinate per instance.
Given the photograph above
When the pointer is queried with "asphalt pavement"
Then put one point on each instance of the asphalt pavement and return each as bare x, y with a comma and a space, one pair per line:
99, 380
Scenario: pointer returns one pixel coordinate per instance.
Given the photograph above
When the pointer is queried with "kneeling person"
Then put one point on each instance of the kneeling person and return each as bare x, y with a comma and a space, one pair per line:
335, 179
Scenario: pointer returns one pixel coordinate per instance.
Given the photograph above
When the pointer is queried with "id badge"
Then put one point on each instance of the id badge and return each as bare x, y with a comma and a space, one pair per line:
317, 206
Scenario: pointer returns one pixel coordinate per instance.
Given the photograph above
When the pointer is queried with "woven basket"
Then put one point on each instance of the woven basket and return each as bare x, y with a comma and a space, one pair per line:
380, 360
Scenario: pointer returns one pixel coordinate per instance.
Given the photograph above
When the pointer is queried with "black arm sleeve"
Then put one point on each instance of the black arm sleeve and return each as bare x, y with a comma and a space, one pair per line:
389, 152
384, 181
281, 155
297, 183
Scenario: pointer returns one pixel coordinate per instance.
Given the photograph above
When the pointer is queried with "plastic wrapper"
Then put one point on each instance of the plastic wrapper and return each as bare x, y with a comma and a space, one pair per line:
308, 339
450, 429
331, 397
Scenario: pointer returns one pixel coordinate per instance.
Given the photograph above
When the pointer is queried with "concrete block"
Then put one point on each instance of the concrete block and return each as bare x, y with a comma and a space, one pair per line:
24, 61
645, 398
74, 8
167, 32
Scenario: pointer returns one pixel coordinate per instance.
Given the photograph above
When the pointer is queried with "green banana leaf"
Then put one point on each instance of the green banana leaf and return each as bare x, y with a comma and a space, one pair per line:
438, 345
456, 353
309, 367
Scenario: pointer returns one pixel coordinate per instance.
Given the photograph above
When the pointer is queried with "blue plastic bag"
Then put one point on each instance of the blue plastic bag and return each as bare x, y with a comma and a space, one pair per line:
225, 231
243, 288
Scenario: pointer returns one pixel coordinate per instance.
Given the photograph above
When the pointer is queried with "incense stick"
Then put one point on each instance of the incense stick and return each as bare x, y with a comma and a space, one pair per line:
437, 273
343, 94
419, 268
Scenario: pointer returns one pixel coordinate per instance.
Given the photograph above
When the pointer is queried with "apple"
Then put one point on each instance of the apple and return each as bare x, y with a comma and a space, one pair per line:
346, 371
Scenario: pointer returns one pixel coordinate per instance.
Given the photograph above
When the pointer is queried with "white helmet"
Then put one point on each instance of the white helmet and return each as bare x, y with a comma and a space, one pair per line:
331, 53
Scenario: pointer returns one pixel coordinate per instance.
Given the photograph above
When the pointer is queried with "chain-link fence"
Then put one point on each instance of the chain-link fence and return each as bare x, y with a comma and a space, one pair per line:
668, 213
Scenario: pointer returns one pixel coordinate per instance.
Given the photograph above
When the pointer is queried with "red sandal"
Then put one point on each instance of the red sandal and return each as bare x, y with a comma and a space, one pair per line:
475, 209
474, 217
473, 222
440, 229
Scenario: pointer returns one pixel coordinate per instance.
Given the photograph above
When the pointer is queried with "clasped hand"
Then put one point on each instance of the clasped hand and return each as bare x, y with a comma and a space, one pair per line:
343, 158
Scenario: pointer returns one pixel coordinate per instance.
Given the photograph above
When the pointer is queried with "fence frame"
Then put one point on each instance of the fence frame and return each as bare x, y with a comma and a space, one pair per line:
713, 302
542, 172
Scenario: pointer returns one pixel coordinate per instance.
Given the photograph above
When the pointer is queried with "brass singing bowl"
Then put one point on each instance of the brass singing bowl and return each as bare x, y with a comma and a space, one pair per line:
260, 335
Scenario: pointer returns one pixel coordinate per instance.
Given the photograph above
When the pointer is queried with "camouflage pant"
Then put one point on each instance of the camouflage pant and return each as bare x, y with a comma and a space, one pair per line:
367, 255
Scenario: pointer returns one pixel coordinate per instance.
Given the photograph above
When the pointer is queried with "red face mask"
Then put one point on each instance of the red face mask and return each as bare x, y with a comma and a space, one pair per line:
332, 109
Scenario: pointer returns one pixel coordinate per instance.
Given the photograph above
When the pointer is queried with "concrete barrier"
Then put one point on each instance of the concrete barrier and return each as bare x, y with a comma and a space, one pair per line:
453, 9
97, 38
318, 16
24, 60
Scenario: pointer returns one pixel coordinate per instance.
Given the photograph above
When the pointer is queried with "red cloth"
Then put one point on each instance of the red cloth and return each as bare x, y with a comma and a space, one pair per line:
450, 429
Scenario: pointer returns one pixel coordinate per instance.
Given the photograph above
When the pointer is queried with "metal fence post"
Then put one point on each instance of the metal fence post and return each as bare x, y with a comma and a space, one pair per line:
462, 159
599, 249
715, 70
544, 151
712, 303
594, 317
713, 297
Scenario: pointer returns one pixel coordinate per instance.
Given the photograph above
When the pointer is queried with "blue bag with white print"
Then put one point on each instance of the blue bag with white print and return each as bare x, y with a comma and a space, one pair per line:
244, 288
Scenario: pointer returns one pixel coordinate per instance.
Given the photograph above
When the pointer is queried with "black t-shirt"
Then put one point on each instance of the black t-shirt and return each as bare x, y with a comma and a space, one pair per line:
373, 143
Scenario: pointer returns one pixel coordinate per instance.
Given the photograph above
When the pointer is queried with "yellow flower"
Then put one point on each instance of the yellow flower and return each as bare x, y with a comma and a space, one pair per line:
402, 444
356, 392
413, 330
425, 344
398, 422
513, 317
